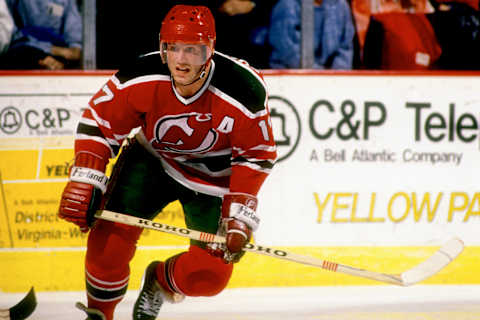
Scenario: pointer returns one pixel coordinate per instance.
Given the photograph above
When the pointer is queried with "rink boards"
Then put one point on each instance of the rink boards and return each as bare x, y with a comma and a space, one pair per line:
376, 170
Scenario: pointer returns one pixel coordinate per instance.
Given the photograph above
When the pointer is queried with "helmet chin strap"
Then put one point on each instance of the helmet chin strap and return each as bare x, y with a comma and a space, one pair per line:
201, 73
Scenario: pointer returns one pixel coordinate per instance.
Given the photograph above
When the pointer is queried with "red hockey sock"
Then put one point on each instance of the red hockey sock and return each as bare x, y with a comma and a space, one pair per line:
110, 248
108, 308
195, 273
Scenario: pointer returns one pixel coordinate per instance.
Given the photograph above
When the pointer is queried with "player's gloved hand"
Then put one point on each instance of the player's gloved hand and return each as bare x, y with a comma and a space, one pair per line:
239, 220
83, 192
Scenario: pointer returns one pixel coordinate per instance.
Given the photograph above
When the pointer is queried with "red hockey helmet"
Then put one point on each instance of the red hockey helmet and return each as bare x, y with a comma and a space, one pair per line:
188, 24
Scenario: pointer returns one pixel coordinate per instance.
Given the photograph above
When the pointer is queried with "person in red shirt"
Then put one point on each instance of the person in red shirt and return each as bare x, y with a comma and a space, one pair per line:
201, 135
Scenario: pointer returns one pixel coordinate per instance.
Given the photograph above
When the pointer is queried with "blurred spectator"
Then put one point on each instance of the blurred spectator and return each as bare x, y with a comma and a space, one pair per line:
117, 23
6, 26
237, 23
47, 35
474, 4
401, 41
333, 34
242, 29
457, 28
364, 9
142, 19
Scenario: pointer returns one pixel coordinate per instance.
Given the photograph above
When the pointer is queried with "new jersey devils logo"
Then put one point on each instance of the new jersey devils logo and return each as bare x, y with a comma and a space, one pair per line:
185, 133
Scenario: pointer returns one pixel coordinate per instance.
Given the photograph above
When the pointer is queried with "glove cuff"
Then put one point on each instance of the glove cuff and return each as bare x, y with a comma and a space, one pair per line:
90, 176
87, 159
90, 168
241, 206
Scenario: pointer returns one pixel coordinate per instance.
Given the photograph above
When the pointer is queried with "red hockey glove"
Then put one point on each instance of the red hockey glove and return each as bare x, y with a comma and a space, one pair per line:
239, 220
82, 194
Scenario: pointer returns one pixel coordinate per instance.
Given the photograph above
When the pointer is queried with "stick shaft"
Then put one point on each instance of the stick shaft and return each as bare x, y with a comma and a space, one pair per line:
250, 247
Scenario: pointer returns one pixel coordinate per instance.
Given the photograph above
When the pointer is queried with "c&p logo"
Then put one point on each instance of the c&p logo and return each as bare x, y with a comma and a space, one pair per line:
286, 125
10, 120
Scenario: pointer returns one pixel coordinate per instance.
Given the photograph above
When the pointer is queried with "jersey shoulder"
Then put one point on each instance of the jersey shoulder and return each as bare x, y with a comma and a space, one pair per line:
238, 80
149, 64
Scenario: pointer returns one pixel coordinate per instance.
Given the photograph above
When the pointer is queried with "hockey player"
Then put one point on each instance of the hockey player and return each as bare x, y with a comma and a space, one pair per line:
205, 139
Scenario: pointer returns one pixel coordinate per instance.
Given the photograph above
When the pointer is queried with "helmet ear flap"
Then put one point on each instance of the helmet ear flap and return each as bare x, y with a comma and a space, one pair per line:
163, 51
208, 51
211, 52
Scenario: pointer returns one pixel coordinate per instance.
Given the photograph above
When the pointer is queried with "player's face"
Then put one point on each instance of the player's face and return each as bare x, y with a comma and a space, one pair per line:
185, 60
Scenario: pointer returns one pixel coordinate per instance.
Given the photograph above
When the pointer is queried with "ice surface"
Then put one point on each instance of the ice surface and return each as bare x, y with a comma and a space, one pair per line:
422, 302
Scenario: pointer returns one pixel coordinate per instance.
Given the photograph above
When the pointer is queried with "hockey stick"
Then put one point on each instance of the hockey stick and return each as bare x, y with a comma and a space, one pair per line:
21, 310
441, 258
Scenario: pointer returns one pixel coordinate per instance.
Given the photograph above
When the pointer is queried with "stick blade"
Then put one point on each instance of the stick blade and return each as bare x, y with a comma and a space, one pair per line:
24, 308
439, 260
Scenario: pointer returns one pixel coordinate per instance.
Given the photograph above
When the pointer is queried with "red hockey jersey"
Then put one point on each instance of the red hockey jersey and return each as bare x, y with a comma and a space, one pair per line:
219, 140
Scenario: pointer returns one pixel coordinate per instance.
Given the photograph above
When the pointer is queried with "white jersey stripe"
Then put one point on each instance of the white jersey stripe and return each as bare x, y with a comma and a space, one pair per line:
81, 136
112, 142
99, 120
137, 80
253, 167
88, 122
199, 187
264, 147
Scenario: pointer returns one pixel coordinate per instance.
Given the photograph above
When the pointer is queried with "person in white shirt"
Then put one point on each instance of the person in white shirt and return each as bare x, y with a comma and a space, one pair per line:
6, 26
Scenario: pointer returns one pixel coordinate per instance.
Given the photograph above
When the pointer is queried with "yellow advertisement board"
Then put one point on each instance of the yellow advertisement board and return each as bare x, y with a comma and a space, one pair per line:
309, 206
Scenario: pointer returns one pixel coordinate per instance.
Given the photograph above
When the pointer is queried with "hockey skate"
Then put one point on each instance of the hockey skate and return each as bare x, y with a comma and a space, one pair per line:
93, 314
152, 296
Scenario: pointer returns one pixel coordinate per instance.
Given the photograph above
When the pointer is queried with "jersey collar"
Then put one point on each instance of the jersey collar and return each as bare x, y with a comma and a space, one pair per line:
187, 101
